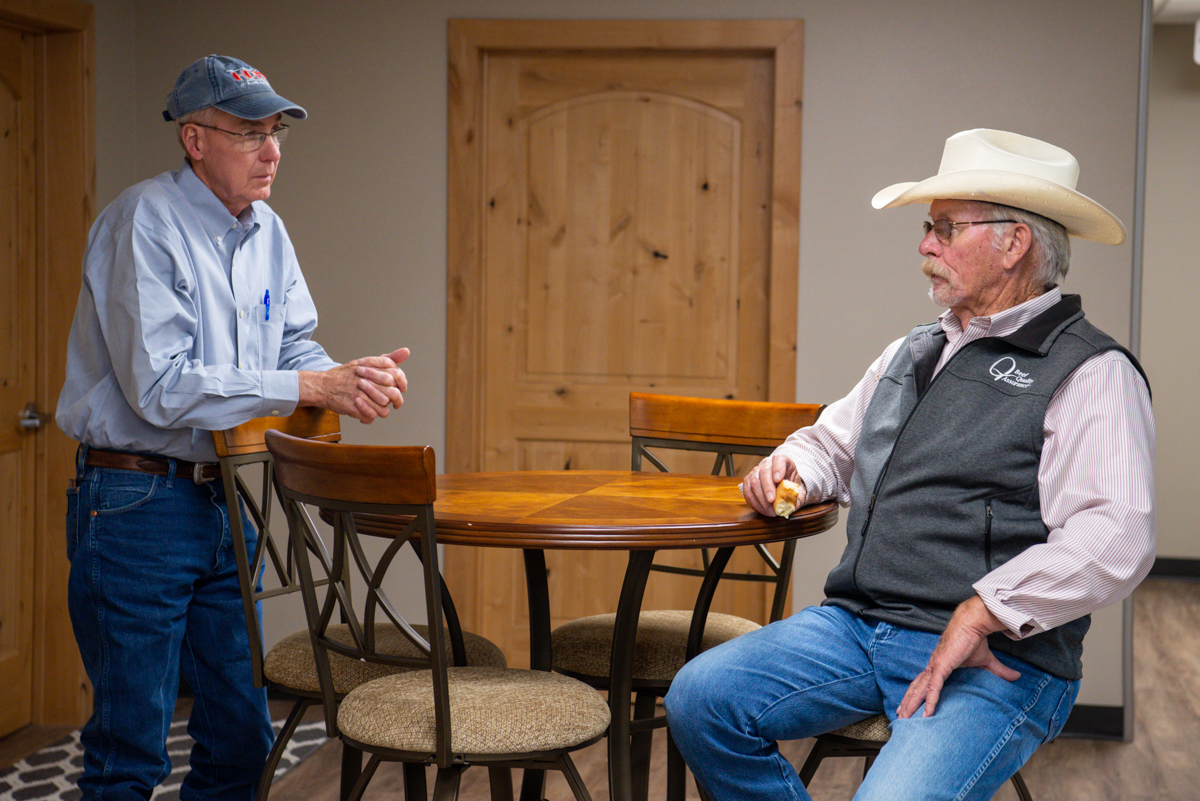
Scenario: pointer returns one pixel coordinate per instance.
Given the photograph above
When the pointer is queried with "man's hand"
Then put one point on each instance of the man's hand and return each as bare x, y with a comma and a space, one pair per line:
758, 487
963, 644
363, 389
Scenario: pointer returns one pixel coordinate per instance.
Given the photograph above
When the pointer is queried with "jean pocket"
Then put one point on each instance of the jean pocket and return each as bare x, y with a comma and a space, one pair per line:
121, 491
72, 521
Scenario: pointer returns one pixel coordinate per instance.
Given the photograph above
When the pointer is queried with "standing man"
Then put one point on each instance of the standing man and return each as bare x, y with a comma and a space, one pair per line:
998, 465
193, 317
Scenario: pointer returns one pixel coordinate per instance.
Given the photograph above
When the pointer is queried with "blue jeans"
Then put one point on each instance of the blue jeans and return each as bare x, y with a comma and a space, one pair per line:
154, 592
825, 668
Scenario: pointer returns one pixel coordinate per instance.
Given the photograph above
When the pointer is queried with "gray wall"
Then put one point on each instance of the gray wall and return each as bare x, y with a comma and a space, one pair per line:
363, 181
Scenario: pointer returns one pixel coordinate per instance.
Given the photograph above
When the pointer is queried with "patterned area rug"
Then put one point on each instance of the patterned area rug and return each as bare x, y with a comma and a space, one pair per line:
51, 772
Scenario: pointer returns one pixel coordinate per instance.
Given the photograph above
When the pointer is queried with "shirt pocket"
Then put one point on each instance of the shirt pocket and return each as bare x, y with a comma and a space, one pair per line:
268, 337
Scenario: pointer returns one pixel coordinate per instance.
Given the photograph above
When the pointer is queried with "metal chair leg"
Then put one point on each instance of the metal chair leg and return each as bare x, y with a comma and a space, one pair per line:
1022, 789
445, 786
499, 781
809, 768
351, 770
676, 771
414, 781
640, 745
281, 740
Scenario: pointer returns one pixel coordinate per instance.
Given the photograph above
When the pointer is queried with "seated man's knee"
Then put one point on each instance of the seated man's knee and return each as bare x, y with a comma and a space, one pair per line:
700, 694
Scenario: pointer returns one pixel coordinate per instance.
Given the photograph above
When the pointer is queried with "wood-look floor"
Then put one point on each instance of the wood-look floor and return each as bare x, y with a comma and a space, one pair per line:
1160, 764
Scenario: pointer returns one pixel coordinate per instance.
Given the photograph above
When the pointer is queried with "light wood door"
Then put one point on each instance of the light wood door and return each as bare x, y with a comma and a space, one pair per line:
47, 197
630, 213
17, 388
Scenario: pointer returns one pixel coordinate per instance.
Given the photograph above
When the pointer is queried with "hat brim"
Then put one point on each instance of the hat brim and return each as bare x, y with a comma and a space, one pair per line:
261, 105
1078, 213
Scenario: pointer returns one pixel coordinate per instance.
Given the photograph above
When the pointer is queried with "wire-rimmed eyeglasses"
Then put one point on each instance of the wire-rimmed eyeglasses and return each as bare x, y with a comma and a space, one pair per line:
944, 229
252, 140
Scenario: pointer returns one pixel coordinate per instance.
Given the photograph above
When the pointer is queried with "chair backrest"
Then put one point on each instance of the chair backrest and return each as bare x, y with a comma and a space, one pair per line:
246, 473
339, 481
725, 428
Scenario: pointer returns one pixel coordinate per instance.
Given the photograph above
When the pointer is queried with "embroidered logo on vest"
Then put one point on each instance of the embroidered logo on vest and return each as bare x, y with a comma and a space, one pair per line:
1005, 369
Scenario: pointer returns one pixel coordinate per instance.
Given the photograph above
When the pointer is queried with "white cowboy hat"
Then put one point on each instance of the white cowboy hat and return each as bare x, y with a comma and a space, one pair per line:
1014, 170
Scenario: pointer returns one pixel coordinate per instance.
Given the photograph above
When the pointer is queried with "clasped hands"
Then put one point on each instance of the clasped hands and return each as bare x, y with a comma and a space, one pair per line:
963, 643
364, 389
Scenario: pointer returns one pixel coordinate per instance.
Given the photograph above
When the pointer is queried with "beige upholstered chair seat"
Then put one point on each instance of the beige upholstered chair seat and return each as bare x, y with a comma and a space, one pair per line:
290, 663
583, 647
494, 711
874, 730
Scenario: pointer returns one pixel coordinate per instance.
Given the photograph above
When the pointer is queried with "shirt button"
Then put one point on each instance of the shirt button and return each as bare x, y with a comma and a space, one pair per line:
218, 240
241, 314
274, 412
241, 365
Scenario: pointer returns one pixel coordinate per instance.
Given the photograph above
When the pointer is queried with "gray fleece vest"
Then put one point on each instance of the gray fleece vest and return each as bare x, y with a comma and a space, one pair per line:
945, 484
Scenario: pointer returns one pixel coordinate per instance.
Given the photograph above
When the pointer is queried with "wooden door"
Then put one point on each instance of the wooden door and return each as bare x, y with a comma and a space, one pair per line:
636, 227
17, 358
47, 197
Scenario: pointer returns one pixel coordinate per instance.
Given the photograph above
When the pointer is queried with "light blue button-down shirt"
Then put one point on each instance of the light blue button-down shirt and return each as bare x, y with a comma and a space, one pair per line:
175, 334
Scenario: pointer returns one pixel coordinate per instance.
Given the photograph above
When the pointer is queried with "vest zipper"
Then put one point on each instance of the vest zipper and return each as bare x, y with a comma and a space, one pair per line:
862, 542
987, 538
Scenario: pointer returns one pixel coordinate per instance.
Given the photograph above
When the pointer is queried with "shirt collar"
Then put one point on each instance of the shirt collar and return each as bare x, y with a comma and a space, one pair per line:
1001, 323
215, 218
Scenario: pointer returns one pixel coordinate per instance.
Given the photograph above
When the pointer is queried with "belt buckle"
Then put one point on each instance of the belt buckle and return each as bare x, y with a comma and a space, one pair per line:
198, 473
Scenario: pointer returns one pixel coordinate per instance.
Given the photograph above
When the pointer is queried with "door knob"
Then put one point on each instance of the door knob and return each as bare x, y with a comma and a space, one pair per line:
31, 417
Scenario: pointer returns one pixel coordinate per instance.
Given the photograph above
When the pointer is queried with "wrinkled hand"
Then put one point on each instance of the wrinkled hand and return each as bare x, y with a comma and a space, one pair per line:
963, 644
381, 379
363, 389
758, 487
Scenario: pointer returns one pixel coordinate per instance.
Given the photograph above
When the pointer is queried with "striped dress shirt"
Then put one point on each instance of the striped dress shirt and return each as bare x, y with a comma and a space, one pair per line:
1096, 479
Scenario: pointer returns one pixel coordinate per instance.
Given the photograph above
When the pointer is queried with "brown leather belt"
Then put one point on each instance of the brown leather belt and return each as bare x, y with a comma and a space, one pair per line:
199, 472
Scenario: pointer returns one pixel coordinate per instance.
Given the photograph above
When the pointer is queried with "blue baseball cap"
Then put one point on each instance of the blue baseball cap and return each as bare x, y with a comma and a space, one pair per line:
230, 85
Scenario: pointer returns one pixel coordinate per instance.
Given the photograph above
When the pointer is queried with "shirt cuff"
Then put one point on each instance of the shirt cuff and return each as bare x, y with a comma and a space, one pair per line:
1017, 625
280, 392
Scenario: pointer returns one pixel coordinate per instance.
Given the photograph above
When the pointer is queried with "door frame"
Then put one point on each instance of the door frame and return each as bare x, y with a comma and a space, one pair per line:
470, 41
65, 197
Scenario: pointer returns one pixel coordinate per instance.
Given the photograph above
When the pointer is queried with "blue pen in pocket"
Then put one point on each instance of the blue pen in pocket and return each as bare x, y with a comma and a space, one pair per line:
267, 303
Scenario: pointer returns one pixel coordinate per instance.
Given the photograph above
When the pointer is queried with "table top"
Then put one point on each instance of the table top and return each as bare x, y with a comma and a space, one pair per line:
595, 510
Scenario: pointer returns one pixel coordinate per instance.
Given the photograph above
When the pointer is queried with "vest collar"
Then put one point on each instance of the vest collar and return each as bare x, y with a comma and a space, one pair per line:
1038, 335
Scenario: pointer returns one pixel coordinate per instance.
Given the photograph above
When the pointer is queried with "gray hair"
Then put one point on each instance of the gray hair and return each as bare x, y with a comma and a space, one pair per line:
1050, 255
203, 116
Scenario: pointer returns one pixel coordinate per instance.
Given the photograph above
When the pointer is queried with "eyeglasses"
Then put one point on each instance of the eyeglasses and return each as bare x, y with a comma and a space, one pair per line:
944, 229
253, 140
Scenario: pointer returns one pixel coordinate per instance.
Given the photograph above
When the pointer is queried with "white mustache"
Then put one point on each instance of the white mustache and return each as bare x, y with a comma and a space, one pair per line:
932, 269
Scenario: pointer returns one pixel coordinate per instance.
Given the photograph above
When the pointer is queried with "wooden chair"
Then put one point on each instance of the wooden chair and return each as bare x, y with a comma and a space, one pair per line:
432, 712
725, 428
289, 669
865, 739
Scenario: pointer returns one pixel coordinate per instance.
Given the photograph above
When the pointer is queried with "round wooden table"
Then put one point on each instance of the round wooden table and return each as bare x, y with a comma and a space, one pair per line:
592, 510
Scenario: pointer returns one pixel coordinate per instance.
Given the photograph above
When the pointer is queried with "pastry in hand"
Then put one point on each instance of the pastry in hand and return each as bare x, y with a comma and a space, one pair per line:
787, 497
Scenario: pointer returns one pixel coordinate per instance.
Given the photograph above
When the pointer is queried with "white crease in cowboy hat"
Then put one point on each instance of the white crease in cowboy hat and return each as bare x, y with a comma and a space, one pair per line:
1014, 170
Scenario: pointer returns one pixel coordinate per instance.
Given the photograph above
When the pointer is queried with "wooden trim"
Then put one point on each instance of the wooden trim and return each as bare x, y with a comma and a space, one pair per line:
785, 216
66, 175
48, 16
464, 224
469, 41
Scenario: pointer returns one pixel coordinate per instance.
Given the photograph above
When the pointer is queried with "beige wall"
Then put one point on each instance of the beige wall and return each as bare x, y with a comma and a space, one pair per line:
1170, 331
363, 182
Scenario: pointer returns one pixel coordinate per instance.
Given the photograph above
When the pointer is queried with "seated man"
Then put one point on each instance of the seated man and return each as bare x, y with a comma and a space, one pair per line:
998, 465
